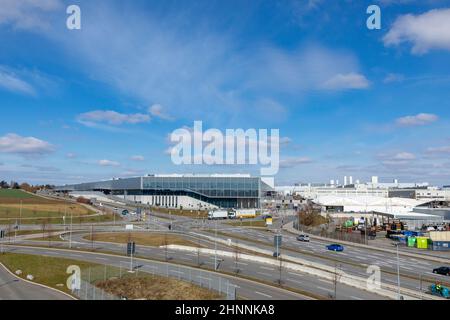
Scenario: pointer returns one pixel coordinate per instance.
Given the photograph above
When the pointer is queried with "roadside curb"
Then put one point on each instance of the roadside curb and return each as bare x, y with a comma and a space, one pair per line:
36, 283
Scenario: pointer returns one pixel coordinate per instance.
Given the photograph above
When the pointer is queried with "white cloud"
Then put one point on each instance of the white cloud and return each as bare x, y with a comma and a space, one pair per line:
12, 82
111, 117
28, 14
137, 158
397, 159
347, 81
201, 73
404, 156
108, 163
26, 146
71, 155
294, 161
156, 110
417, 120
434, 150
427, 31
393, 77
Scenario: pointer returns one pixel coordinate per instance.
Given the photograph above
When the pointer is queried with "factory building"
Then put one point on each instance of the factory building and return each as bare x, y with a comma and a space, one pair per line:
187, 191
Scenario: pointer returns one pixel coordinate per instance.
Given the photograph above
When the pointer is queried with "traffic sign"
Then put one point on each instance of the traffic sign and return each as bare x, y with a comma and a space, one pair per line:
131, 248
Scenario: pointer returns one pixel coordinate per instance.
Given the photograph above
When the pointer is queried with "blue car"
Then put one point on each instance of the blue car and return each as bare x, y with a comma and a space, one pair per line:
335, 247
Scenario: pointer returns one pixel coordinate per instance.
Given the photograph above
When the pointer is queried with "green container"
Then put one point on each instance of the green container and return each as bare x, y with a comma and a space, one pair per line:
422, 243
348, 224
411, 241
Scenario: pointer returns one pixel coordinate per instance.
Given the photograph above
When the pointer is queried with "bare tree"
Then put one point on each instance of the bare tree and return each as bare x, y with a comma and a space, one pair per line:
43, 228
49, 232
198, 253
336, 279
165, 247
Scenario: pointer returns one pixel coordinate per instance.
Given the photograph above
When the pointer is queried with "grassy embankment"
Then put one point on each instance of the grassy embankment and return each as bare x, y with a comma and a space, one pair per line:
32, 209
51, 271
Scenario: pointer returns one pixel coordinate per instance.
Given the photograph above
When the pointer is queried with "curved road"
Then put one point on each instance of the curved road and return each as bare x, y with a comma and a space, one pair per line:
12, 288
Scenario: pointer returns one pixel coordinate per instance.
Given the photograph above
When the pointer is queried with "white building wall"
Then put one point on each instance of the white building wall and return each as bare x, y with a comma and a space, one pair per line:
172, 201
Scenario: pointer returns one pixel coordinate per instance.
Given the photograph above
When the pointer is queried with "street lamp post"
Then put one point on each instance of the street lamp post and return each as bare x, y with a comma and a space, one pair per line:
215, 245
398, 274
20, 215
70, 234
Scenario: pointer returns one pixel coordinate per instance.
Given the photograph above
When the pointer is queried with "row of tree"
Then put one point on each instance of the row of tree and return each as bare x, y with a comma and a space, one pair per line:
24, 186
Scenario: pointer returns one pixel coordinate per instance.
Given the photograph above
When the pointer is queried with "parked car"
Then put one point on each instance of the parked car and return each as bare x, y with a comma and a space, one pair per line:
445, 271
335, 247
303, 238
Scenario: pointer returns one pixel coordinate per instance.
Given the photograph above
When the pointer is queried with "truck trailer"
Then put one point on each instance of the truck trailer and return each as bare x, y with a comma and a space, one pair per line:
242, 213
217, 214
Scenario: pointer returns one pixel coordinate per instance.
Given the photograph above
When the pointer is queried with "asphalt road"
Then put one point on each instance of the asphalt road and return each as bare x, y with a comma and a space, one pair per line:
244, 288
353, 260
12, 288
321, 288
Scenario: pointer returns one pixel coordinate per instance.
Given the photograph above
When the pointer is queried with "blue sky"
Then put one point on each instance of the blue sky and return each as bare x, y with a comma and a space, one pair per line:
80, 105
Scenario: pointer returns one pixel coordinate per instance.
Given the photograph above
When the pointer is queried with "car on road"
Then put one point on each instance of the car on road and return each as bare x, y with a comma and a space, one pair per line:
335, 247
445, 271
303, 238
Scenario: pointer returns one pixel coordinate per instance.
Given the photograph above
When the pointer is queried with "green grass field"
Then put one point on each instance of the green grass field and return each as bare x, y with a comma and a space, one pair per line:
46, 270
33, 209
52, 272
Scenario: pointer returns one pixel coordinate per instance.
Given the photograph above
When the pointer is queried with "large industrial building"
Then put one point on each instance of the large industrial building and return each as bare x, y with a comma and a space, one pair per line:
188, 191
409, 201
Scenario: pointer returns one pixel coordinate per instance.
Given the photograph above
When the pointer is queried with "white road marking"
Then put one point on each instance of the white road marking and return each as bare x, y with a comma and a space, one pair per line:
266, 268
263, 294
356, 298
322, 288
292, 280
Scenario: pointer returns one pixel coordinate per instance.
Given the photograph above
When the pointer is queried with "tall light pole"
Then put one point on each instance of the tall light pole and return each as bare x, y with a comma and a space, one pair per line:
215, 246
20, 214
398, 274
70, 234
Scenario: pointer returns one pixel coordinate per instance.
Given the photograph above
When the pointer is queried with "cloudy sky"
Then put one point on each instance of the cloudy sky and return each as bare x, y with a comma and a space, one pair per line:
81, 105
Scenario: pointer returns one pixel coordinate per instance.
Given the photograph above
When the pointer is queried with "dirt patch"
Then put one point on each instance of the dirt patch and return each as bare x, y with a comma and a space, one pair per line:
156, 288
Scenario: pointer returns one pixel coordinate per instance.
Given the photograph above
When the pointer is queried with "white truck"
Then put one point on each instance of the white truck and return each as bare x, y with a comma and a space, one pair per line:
217, 214
242, 213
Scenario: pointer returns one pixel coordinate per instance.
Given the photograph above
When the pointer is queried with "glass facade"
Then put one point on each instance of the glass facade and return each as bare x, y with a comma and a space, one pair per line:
222, 191
217, 187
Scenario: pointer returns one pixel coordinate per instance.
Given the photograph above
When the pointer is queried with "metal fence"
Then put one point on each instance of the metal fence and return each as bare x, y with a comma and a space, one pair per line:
90, 276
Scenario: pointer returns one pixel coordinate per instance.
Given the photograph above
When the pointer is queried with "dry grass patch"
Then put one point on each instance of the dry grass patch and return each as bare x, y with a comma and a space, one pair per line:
156, 288
143, 238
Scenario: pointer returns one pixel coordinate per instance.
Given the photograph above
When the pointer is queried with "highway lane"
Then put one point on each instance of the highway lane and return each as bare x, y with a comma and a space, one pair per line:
12, 288
244, 288
353, 260
258, 271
